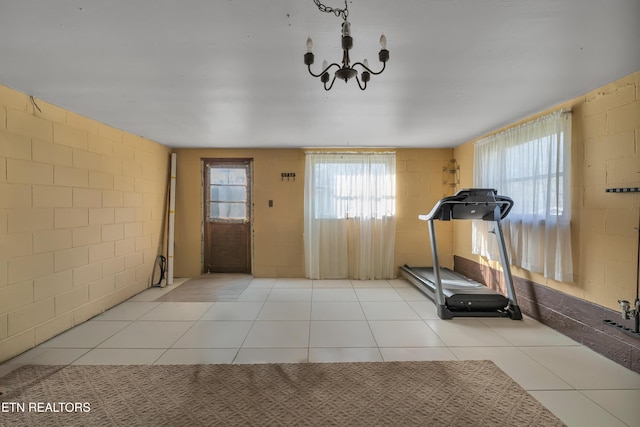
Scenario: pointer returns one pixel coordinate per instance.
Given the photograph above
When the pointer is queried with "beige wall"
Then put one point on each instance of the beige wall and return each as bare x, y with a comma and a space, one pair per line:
81, 211
605, 154
278, 231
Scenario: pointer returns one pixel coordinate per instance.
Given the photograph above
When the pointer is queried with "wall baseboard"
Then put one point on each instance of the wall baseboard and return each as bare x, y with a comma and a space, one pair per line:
578, 319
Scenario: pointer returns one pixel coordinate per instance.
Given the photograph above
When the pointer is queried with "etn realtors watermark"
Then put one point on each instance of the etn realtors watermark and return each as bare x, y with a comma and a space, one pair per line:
45, 407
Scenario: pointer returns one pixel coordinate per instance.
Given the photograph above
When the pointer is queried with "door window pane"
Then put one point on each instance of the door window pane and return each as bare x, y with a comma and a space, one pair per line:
228, 193
228, 176
237, 211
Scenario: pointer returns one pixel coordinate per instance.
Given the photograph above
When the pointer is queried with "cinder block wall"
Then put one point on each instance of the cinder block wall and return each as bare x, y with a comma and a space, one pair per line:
81, 218
605, 154
278, 248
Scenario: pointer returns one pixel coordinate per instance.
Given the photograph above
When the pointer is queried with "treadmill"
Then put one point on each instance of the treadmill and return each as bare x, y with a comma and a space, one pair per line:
454, 294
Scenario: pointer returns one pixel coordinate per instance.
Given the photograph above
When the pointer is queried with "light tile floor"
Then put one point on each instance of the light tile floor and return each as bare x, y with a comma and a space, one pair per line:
300, 320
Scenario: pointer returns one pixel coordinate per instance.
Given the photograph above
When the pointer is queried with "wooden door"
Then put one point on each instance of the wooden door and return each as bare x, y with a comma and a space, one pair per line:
227, 216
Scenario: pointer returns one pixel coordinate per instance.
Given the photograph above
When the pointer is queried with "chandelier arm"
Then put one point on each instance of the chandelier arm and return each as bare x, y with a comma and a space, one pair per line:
331, 85
359, 85
384, 64
323, 71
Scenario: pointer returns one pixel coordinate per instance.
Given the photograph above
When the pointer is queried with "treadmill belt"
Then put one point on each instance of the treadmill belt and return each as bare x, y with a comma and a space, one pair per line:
462, 293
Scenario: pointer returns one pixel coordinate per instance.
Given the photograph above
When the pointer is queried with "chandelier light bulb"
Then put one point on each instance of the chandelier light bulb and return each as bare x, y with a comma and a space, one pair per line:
325, 64
346, 29
366, 63
309, 44
383, 42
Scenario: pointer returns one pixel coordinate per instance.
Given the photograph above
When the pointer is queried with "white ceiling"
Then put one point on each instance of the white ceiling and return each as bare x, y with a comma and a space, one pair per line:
230, 73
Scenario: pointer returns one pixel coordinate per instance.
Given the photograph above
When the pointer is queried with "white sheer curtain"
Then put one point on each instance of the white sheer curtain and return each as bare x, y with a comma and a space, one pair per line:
349, 215
531, 164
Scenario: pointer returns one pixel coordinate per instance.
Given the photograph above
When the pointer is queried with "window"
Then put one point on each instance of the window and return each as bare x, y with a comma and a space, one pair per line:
350, 189
228, 192
349, 215
531, 164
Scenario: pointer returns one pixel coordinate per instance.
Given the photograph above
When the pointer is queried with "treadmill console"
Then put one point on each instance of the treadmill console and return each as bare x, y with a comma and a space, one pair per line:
472, 203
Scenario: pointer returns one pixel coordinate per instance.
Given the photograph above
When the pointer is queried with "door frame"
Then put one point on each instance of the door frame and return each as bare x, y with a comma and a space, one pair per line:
204, 162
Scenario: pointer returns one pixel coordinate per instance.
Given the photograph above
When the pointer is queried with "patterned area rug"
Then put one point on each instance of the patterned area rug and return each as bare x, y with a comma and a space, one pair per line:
209, 288
435, 393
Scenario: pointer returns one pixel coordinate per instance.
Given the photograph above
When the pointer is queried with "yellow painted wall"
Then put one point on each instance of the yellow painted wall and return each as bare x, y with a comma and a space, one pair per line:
81, 214
278, 231
419, 181
605, 154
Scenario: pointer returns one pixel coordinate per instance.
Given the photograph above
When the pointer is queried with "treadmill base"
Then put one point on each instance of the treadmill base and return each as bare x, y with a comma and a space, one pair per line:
447, 311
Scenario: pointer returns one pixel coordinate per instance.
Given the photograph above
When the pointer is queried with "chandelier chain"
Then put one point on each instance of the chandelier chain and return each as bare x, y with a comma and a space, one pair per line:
344, 13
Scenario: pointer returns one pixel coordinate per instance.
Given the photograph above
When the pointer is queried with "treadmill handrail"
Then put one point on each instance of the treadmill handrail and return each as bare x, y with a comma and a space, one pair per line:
487, 203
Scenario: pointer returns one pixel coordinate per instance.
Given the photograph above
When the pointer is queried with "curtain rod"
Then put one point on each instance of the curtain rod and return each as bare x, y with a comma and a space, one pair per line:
349, 152
560, 112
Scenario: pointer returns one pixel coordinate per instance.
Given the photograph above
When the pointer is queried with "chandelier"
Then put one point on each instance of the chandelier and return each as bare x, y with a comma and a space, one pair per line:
346, 71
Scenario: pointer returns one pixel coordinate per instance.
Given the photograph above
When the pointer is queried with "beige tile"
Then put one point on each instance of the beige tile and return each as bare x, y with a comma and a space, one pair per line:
281, 310
574, 409
404, 333
530, 374
147, 335
392, 310
278, 334
271, 355
178, 311
336, 310
373, 294
527, 332
120, 356
288, 294
583, 368
344, 354
332, 333
197, 356
49, 356
324, 284
292, 283
215, 334
86, 335
399, 354
333, 294
622, 403
467, 333
235, 310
